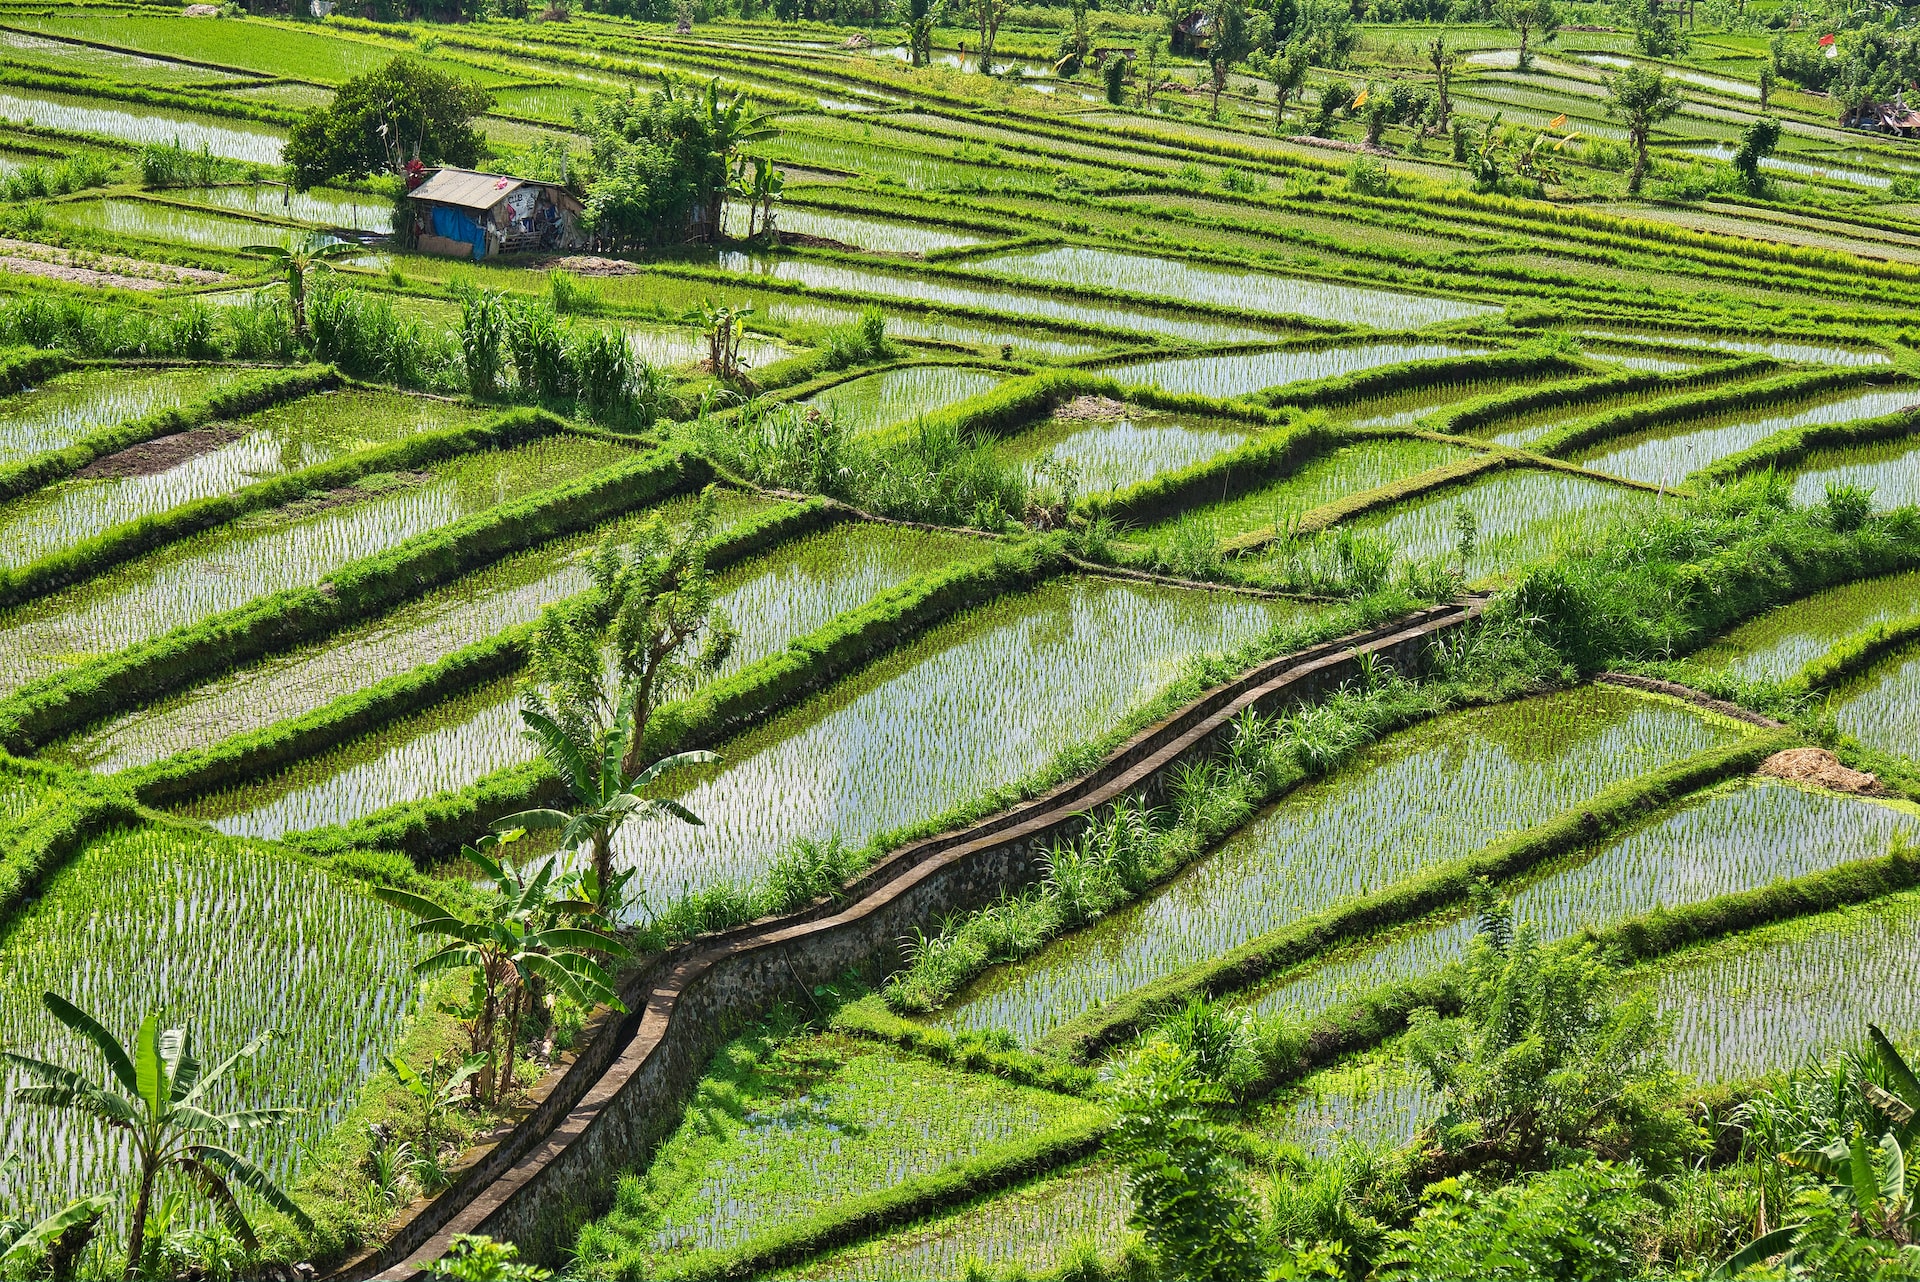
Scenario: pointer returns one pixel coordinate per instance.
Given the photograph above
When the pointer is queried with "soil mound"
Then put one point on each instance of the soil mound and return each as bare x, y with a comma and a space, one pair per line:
1819, 767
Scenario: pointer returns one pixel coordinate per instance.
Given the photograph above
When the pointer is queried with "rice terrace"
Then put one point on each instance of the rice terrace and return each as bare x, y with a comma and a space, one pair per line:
959, 639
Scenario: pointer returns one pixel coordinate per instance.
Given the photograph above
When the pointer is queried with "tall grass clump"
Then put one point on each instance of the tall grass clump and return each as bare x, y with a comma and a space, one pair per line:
523, 348
51, 320
859, 343
169, 164
76, 173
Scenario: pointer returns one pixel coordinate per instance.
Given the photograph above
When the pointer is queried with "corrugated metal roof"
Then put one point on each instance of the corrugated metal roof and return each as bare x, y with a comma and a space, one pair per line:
465, 189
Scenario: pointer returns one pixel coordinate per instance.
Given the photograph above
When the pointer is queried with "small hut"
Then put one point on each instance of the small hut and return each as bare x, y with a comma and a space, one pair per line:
1190, 33
467, 214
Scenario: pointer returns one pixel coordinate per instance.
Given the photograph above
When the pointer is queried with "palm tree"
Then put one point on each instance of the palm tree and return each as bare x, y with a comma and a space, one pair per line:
512, 943
158, 1095
607, 797
295, 259
1642, 99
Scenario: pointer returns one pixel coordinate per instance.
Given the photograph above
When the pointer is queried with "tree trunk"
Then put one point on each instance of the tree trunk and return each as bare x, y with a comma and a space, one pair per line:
1639, 161
603, 863
505, 1083
137, 1229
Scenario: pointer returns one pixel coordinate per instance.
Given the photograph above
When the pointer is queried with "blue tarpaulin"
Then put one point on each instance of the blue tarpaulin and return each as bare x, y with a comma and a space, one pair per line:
455, 225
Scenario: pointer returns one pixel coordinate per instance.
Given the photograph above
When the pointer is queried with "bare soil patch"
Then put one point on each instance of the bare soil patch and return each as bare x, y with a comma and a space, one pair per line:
1091, 407
82, 267
161, 453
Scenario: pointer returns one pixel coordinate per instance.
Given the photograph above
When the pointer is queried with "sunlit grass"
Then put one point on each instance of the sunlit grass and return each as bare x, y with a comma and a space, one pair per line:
1781, 642
1882, 708
900, 395
71, 406
1891, 469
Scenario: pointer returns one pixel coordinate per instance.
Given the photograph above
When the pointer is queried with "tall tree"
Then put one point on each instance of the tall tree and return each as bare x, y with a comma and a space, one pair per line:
1226, 42
1289, 70
1642, 99
988, 15
379, 121
1443, 60
1528, 17
158, 1096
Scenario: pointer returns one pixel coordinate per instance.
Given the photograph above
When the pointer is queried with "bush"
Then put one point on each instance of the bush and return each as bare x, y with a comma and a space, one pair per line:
1367, 176
77, 172
1584, 1221
405, 104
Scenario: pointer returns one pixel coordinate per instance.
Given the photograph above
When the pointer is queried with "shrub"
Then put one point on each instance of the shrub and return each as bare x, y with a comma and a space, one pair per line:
1367, 176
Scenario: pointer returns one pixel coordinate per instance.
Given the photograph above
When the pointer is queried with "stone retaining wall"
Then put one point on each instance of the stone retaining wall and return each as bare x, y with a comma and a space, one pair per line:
625, 1093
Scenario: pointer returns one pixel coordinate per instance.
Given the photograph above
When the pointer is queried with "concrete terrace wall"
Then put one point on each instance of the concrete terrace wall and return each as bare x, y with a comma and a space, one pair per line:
624, 1094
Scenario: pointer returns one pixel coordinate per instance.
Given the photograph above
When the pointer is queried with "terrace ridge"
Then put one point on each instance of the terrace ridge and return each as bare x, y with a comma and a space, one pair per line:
619, 1098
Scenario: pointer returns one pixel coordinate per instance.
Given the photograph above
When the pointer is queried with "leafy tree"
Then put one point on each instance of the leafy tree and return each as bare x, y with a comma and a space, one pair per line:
987, 16
159, 1097
1581, 1221
1289, 72
379, 121
1227, 42
1527, 17
1875, 64
1547, 1061
294, 261
662, 164
1115, 76
513, 940
1187, 1200
1642, 99
1757, 142
1442, 60
1153, 55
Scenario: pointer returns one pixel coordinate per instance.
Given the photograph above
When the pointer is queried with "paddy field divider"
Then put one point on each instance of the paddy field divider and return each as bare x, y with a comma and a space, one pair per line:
1786, 448
76, 808
622, 1095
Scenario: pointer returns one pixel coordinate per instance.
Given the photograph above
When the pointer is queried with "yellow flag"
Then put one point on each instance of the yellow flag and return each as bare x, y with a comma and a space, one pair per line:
1557, 121
1361, 101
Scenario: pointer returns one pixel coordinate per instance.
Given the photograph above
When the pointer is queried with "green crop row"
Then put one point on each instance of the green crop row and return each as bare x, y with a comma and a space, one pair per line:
76, 808
258, 754
22, 367
1498, 406
1290, 1051
79, 697
1344, 508
1855, 654
124, 542
1260, 461
870, 1018
232, 401
1383, 380
911, 1199
435, 827
1084, 1037
1592, 431
1785, 448
206, 102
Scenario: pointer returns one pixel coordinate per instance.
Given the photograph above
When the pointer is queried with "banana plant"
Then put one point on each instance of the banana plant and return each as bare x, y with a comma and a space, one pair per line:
294, 261
159, 1096
1869, 1176
51, 1244
438, 1089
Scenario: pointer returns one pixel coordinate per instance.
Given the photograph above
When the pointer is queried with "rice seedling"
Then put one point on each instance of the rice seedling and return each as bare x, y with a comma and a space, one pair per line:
1253, 292
1110, 454
1239, 373
1420, 798
170, 224
236, 140
770, 599
881, 400
272, 442
1669, 455
1350, 469
971, 706
473, 607
986, 296
1891, 469
912, 325
71, 406
1030, 1228
1882, 709
1377, 1100
814, 1121
884, 235
1737, 837
1406, 409
1521, 516
666, 346
318, 206
268, 50
1780, 349
1779, 643
1775, 998
268, 551
228, 937
65, 55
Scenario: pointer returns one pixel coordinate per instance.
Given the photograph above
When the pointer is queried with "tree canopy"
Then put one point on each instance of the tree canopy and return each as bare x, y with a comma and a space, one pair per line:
379, 121
661, 164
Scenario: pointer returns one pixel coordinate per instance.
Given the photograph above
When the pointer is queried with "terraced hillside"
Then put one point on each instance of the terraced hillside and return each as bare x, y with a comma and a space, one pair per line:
1199, 566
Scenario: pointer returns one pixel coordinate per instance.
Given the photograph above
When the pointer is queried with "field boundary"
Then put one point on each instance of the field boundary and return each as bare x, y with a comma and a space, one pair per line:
538, 1184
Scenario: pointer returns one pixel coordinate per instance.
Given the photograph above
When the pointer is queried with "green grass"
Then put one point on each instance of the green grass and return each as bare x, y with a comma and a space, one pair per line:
167, 224
1779, 348
272, 442
771, 599
1423, 797
1253, 292
1891, 469
900, 395
227, 939
268, 551
1240, 373
1779, 643
777, 1133
70, 406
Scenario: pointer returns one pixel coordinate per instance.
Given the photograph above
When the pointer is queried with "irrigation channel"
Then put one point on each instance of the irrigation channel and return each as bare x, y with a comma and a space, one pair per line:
1186, 558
